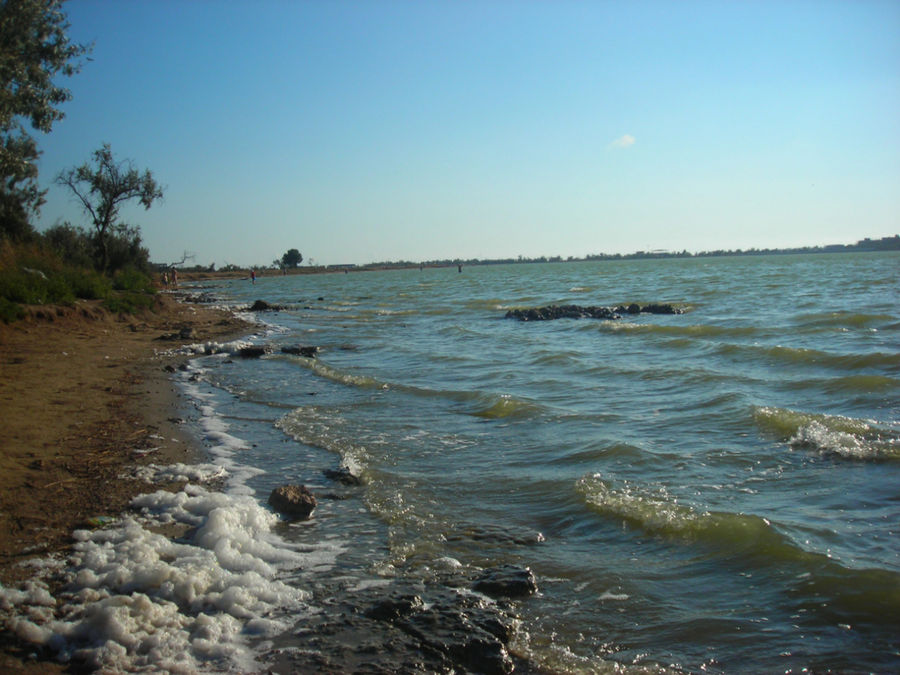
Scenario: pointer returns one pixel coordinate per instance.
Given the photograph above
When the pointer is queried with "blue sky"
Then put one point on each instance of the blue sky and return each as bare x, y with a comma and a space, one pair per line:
372, 131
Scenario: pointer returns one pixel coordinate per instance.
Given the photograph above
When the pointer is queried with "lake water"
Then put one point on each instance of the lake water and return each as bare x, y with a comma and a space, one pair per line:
717, 490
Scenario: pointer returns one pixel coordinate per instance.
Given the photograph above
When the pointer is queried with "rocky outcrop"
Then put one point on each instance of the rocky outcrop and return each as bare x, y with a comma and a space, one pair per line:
343, 475
295, 501
301, 350
506, 581
411, 627
263, 306
253, 351
551, 312
652, 308
185, 333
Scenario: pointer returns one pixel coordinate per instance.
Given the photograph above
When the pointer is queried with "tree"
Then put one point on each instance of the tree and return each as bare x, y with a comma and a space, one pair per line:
292, 258
34, 51
102, 188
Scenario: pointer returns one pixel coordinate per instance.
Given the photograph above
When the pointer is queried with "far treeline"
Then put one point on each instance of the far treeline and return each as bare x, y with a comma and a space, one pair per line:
883, 244
103, 259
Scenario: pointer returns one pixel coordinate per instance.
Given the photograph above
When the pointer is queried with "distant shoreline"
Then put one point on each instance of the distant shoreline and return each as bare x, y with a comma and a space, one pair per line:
866, 245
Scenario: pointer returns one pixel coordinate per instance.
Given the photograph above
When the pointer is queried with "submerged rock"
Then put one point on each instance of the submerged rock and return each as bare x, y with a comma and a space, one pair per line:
405, 628
506, 581
263, 306
343, 475
253, 352
300, 350
293, 500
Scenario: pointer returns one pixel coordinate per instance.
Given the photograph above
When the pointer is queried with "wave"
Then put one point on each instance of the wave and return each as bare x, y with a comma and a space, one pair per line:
812, 357
504, 406
324, 428
872, 594
340, 376
658, 513
478, 404
616, 451
844, 436
831, 320
694, 331
851, 383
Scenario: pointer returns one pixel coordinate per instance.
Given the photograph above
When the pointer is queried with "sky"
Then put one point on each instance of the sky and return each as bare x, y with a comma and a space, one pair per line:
398, 130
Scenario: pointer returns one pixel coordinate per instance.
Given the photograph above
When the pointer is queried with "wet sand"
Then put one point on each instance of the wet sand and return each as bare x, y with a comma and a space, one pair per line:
83, 395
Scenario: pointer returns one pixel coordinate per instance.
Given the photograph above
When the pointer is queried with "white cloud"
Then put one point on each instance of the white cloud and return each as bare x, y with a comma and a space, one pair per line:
625, 141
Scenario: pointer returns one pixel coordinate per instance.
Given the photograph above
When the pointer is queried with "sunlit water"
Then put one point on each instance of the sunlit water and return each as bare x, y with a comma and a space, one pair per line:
718, 489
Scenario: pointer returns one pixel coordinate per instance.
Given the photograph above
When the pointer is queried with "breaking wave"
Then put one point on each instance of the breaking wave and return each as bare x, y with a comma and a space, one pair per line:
820, 582
844, 436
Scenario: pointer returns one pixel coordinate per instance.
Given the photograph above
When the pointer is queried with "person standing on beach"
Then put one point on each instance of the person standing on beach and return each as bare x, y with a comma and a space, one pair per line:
252, 276
174, 278
165, 280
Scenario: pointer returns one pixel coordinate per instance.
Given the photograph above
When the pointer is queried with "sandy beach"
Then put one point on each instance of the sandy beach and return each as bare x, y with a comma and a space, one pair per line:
84, 395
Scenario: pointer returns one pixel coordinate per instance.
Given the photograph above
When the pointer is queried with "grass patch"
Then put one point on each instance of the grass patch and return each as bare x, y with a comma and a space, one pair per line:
128, 302
10, 311
35, 274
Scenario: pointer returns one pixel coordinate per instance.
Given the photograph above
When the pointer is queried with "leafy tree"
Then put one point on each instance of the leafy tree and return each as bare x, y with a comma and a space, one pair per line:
292, 258
34, 51
102, 188
73, 244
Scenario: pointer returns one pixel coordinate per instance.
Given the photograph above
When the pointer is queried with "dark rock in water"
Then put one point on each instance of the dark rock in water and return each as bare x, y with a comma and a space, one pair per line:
263, 306
392, 609
551, 312
253, 352
506, 581
343, 476
500, 536
427, 626
654, 308
293, 500
299, 350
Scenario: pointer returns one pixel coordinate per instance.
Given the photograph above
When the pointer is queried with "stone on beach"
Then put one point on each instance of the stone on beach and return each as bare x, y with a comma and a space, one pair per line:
293, 500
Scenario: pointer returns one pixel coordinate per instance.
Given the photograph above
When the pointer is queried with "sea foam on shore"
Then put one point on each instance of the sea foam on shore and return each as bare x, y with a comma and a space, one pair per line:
134, 598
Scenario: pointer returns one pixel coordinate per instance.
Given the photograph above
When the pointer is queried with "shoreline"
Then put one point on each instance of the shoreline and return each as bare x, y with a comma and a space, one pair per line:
86, 395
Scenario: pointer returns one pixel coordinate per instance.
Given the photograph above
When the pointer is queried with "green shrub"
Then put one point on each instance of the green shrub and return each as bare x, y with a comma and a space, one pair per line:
10, 311
131, 279
23, 287
128, 302
73, 244
88, 284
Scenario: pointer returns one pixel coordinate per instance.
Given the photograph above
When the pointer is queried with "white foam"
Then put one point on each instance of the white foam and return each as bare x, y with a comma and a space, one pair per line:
609, 595
136, 599
844, 443
201, 473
